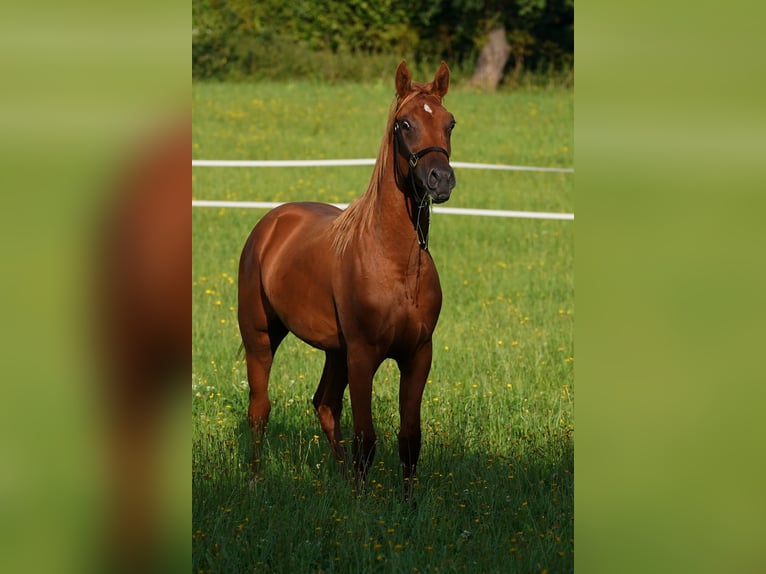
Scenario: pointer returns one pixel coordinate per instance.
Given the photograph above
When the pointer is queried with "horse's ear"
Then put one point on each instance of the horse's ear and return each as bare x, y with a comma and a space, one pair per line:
403, 80
441, 81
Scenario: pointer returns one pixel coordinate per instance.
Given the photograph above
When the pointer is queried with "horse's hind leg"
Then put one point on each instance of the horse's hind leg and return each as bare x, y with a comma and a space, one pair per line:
262, 332
328, 400
261, 335
259, 354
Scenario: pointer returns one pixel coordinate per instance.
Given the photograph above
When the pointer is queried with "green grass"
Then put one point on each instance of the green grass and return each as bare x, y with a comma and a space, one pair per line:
495, 489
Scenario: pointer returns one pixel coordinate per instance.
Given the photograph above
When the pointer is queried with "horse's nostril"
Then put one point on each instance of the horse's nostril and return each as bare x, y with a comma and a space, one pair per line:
433, 178
440, 178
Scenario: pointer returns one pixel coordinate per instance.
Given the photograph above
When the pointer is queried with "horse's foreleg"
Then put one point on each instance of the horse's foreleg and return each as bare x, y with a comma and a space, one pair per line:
361, 369
414, 374
328, 401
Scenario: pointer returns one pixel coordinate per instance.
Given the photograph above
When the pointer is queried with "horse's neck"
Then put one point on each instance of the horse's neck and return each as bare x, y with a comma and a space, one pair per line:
398, 215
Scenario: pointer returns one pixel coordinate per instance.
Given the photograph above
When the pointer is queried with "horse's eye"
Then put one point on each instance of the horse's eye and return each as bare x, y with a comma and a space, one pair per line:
406, 125
452, 125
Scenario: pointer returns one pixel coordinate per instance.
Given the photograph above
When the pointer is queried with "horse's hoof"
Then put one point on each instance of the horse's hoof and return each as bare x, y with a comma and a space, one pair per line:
409, 500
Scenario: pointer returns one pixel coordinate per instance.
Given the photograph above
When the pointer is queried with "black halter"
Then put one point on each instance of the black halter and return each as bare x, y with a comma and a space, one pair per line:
412, 160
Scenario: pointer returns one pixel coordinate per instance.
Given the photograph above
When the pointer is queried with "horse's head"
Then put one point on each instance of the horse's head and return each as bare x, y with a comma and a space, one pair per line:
422, 129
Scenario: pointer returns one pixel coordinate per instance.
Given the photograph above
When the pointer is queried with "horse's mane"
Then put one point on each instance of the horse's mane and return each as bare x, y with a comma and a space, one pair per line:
358, 216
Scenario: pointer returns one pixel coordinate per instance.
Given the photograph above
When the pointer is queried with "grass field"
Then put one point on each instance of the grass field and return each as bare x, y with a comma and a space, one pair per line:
495, 487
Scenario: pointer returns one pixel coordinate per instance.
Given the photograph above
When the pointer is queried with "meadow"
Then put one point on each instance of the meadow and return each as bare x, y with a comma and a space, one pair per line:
495, 485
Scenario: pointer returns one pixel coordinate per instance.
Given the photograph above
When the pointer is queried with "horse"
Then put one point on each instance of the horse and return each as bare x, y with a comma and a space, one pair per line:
359, 284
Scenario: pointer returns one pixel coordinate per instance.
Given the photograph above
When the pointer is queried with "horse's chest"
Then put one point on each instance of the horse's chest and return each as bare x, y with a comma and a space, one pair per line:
387, 305
420, 296
411, 306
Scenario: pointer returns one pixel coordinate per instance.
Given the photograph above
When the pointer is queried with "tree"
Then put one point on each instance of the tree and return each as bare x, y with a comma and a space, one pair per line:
492, 60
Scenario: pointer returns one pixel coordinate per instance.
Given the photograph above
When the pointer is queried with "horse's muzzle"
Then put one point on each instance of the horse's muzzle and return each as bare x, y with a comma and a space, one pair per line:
439, 183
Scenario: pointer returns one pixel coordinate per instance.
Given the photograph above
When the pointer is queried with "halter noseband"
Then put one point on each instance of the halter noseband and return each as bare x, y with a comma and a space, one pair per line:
412, 160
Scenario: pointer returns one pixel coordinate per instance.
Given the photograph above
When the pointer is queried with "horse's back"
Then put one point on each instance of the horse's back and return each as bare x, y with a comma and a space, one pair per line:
288, 260
290, 233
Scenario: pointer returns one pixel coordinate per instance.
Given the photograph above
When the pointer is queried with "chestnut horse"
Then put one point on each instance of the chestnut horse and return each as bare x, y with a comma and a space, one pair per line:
359, 284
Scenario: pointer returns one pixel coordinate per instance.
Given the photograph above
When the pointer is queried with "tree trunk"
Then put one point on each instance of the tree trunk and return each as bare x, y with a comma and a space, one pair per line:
492, 60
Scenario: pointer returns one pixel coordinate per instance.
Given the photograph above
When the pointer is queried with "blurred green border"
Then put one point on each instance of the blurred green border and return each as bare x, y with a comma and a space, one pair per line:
86, 85
670, 274
669, 136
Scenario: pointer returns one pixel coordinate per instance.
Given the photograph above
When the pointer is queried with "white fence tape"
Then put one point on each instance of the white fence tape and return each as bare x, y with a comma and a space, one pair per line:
371, 161
366, 161
436, 209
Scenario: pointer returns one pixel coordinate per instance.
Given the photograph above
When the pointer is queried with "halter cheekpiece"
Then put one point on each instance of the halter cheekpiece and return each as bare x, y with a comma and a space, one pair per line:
412, 161
413, 157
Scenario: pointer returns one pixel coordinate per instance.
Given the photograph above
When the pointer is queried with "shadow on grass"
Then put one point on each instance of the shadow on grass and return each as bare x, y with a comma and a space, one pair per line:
476, 510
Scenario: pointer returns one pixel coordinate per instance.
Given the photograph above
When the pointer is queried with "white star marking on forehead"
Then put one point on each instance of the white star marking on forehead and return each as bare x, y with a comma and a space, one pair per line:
427, 108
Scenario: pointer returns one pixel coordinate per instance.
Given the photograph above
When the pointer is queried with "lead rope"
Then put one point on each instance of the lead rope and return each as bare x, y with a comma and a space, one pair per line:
424, 202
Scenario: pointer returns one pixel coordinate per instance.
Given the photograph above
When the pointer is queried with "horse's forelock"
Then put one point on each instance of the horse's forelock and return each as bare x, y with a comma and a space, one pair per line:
418, 90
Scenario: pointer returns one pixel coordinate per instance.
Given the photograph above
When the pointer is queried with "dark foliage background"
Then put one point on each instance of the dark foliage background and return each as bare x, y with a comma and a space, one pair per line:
359, 40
